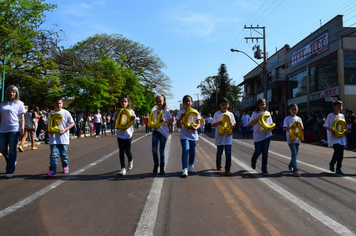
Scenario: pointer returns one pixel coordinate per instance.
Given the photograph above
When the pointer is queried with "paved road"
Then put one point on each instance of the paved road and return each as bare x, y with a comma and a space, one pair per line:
94, 200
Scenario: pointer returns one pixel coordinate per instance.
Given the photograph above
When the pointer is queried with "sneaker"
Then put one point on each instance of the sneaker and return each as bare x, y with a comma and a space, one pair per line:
265, 173
191, 168
51, 173
155, 169
66, 170
34, 148
122, 171
253, 164
9, 175
20, 148
296, 174
185, 173
339, 172
227, 173
130, 166
290, 168
218, 167
331, 167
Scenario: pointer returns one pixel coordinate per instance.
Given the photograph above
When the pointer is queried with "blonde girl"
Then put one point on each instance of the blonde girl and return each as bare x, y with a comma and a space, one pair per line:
124, 136
160, 134
188, 136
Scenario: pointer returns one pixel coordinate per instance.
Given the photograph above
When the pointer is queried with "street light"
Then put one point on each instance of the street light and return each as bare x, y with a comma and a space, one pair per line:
263, 71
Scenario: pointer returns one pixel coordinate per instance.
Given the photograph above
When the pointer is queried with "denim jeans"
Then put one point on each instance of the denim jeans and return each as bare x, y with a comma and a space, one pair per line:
58, 150
103, 129
262, 147
245, 131
294, 148
188, 148
97, 128
10, 140
338, 156
112, 128
158, 137
220, 149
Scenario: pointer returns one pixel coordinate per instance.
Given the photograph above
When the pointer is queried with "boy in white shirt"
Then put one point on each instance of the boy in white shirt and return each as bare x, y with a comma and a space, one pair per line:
59, 141
224, 140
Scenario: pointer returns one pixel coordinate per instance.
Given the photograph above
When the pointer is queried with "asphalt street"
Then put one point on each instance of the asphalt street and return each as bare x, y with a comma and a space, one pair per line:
94, 200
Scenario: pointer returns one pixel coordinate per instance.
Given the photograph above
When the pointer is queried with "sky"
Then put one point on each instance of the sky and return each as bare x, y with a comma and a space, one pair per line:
194, 37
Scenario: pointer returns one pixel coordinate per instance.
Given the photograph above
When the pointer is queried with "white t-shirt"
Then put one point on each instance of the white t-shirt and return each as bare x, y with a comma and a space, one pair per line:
10, 113
245, 120
224, 139
259, 133
164, 127
185, 133
67, 119
288, 122
127, 133
208, 120
97, 118
332, 139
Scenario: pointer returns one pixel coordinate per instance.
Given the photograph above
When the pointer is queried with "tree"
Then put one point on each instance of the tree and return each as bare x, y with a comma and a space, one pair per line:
234, 96
19, 21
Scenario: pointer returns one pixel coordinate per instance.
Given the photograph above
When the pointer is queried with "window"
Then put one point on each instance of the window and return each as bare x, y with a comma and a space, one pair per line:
297, 85
350, 68
324, 76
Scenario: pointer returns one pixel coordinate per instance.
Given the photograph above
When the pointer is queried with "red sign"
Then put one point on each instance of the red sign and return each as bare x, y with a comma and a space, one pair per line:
323, 94
318, 46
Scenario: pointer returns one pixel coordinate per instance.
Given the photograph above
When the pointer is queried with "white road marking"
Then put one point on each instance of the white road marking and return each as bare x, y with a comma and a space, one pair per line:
299, 162
318, 215
148, 217
45, 190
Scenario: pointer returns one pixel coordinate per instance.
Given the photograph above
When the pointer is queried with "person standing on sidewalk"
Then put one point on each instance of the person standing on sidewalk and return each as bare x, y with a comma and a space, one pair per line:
59, 141
30, 127
12, 121
98, 121
245, 119
188, 135
124, 135
337, 143
223, 141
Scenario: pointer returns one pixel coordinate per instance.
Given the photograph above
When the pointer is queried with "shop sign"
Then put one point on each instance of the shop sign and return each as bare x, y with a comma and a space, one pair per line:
317, 46
323, 94
330, 99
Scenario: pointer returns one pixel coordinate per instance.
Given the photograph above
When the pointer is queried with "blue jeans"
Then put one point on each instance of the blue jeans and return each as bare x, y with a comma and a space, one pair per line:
58, 150
188, 147
294, 148
103, 129
262, 147
338, 156
220, 149
158, 137
245, 131
10, 140
112, 128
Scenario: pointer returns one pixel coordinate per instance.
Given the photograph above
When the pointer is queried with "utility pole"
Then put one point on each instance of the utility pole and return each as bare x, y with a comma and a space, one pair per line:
198, 99
257, 29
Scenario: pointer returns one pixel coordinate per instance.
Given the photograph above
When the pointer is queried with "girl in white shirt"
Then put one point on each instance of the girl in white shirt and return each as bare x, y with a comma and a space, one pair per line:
160, 134
261, 137
124, 136
188, 136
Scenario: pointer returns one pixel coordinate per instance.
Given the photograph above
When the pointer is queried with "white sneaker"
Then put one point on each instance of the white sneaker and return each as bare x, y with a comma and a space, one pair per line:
9, 175
130, 165
122, 171
185, 172
191, 168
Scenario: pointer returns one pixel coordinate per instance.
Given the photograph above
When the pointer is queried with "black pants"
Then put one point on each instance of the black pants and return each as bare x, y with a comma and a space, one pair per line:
124, 147
97, 128
338, 156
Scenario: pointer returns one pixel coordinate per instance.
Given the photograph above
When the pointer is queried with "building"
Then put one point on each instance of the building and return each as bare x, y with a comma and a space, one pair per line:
317, 70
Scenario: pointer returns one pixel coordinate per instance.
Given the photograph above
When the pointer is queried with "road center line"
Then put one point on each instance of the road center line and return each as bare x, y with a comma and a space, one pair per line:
45, 190
318, 215
149, 214
299, 162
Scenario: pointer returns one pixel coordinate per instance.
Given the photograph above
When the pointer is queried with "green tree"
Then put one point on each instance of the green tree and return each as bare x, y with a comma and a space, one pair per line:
234, 96
19, 23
